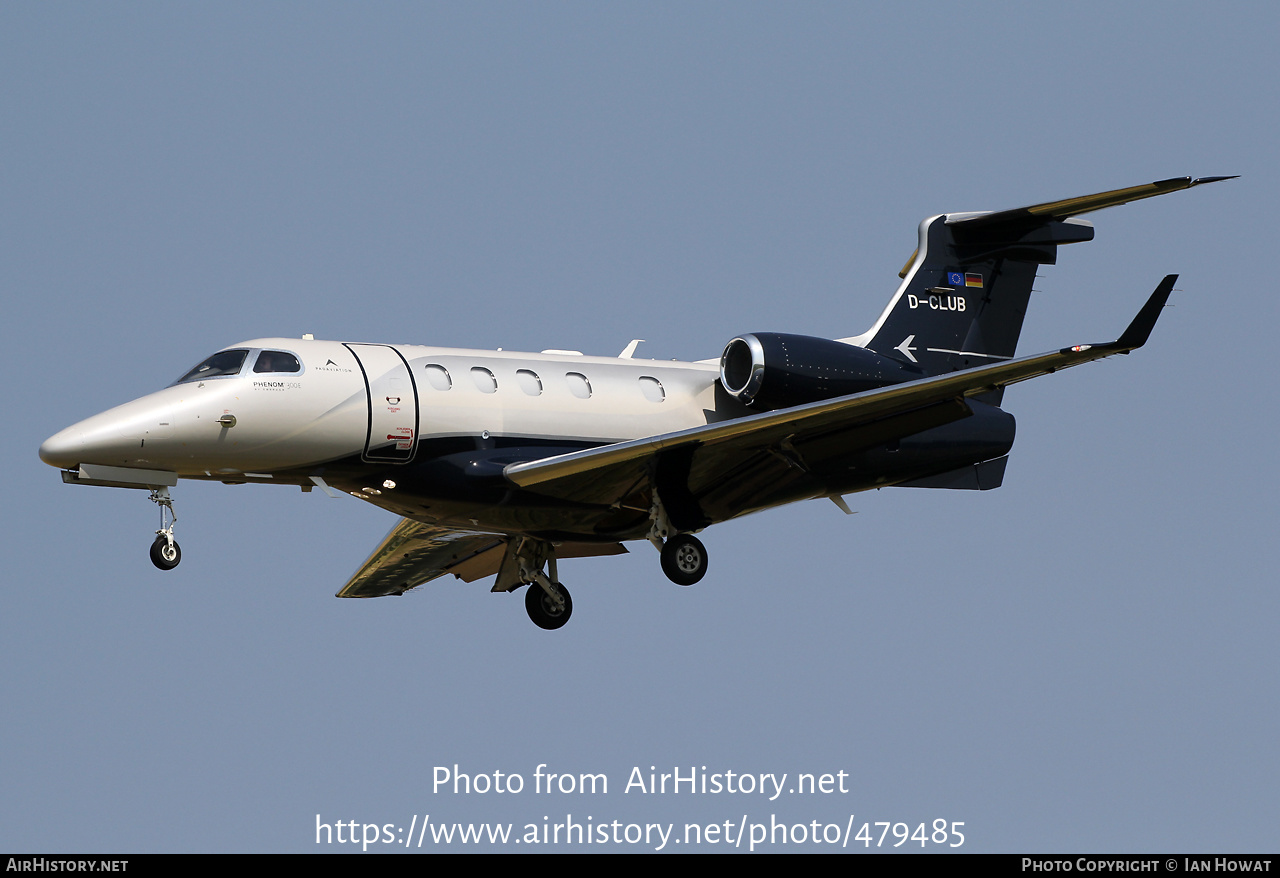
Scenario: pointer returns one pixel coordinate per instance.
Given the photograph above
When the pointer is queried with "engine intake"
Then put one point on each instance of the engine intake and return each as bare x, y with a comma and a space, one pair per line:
773, 370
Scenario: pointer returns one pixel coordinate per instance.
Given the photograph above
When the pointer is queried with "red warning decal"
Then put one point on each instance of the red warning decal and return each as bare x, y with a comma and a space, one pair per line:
403, 437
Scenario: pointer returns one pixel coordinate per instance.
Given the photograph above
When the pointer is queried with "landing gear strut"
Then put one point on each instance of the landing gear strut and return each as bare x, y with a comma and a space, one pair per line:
165, 553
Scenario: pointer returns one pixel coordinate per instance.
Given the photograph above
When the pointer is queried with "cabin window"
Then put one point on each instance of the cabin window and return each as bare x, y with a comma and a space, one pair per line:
223, 364
652, 389
484, 379
438, 377
529, 382
277, 361
579, 386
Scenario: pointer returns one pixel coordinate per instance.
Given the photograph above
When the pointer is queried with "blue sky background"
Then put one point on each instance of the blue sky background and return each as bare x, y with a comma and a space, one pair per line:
1084, 660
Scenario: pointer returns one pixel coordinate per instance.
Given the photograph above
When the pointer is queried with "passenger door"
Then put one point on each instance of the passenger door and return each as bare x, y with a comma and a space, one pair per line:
393, 404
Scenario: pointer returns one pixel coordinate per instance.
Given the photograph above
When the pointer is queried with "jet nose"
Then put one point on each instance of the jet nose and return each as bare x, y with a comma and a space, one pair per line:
63, 449
110, 438
137, 434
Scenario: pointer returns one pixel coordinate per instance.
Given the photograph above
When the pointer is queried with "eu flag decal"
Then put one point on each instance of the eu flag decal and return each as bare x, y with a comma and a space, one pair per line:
955, 278
973, 280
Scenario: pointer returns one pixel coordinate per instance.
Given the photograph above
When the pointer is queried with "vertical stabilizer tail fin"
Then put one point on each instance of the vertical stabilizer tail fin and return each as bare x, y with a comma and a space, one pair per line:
964, 296
965, 291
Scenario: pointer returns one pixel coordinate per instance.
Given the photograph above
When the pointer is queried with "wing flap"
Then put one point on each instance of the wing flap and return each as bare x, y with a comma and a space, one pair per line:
414, 552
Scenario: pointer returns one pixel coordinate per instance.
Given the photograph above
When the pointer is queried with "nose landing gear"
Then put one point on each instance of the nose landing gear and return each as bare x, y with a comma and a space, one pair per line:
165, 553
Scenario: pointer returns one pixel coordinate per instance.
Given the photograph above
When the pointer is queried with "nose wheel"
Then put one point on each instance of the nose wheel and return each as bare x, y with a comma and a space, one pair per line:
165, 553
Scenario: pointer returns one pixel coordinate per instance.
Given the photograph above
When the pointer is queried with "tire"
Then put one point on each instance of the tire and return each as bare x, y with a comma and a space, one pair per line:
543, 611
684, 559
163, 556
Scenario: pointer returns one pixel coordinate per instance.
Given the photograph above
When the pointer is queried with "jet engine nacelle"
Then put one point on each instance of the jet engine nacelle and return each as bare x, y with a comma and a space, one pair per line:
772, 370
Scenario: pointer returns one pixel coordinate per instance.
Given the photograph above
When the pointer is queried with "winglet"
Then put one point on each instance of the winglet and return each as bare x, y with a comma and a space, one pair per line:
1140, 329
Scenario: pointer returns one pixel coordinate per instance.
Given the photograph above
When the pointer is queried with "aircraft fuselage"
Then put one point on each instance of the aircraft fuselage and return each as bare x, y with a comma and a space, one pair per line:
425, 432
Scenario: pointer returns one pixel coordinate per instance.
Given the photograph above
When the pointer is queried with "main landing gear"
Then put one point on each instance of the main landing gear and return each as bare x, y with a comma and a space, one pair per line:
684, 558
548, 609
547, 601
165, 553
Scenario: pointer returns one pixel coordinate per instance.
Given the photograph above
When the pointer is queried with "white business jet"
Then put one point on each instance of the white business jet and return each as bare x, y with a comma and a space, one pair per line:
502, 464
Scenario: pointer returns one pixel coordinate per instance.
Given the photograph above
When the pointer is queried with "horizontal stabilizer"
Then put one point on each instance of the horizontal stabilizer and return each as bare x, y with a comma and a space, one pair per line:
1059, 210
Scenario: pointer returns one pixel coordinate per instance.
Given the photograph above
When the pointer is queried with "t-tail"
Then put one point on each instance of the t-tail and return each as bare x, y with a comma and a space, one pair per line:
965, 290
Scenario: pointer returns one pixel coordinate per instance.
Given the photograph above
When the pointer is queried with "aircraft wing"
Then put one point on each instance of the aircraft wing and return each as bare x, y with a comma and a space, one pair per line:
416, 552
714, 457
413, 553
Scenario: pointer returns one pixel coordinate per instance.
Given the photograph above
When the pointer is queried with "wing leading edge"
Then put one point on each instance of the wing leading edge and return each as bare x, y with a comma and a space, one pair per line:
608, 473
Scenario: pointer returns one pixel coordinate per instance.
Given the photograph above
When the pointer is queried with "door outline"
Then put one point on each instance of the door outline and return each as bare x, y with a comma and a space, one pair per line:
390, 453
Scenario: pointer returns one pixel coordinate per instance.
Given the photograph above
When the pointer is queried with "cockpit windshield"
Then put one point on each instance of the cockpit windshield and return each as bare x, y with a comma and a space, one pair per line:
277, 361
220, 365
